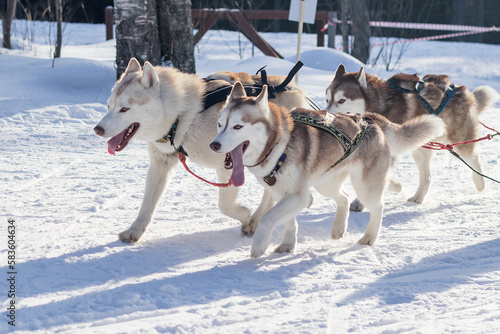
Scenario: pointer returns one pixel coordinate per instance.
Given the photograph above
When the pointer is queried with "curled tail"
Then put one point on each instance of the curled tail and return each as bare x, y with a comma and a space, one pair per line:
485, 96
414, 133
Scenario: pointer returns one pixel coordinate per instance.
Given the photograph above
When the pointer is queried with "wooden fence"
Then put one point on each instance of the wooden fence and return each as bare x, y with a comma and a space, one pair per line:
204, 19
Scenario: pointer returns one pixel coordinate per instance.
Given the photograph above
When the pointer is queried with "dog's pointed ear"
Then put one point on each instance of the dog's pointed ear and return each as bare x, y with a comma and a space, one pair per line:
339, 72
262, 101
149, 77
263, 96
237, 92
133, 66
361, 78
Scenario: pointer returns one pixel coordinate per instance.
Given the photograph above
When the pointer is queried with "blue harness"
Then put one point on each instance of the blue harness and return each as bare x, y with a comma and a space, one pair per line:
448, 93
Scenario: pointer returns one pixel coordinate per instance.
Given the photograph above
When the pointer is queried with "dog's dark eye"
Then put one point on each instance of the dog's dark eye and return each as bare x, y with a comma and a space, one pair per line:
219, 125
237, 127
341, 101
124, 109
327, 100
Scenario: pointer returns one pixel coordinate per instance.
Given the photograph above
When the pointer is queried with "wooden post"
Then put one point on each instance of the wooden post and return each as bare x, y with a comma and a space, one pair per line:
109, 19
332, 29
301, 24
320, 35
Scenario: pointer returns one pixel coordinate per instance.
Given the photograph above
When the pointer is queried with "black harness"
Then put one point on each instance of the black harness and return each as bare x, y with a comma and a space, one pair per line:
220, 95
448, 93
347, 143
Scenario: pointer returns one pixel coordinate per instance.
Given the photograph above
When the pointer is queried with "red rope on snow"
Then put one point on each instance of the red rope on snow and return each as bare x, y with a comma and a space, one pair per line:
182, 159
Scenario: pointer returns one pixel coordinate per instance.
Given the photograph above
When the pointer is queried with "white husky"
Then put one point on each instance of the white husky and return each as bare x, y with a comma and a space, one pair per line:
290, 152
165, 108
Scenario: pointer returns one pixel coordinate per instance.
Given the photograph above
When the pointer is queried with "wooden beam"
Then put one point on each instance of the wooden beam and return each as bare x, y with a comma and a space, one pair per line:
210, 20
239, 21
257, 14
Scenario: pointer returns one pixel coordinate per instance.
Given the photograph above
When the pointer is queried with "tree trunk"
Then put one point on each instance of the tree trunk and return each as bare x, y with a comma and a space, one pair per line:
176, 34
136, 33
468, 13
360, 30
59, 14
344, 26
7, 22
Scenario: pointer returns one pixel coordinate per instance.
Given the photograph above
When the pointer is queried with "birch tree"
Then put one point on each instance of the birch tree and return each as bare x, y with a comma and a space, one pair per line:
136, 33
176, 34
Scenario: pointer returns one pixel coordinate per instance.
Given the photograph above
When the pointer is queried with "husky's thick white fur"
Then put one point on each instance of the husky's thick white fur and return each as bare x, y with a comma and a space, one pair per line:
144, 105
259, 132
358, 92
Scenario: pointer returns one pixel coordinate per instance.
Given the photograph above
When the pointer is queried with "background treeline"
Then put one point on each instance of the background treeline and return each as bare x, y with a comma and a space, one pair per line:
477, 12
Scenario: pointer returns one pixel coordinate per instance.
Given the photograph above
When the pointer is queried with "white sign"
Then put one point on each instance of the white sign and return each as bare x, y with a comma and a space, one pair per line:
309, 11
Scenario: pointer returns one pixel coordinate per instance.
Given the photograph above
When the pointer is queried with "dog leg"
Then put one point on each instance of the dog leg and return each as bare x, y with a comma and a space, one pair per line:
373, 228
266, 204
422, 157
370, 191
159, 172
334, 190
393, 185
290, 237
227, 201
468, 153
286, 209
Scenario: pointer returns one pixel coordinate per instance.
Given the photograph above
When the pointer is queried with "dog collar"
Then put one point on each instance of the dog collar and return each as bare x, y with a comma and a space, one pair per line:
170, 136
265, 157
271, 178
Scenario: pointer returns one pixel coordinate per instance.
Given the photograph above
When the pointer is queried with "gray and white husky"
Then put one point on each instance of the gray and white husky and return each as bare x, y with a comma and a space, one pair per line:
145, 103
288, 157
396, 99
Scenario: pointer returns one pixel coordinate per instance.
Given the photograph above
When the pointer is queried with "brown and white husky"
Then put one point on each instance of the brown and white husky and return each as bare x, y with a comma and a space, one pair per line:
397, 99
288, 157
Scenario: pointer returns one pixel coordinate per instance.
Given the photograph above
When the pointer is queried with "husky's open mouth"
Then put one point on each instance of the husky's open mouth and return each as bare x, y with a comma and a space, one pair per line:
234, 161
120, 141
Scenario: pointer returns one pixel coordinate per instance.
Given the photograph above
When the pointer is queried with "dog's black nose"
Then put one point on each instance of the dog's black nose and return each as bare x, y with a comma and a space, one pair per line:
99, 130
215, 146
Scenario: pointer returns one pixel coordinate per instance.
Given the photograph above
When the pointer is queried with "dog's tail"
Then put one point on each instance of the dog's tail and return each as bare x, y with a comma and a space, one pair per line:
414, 133
485, 96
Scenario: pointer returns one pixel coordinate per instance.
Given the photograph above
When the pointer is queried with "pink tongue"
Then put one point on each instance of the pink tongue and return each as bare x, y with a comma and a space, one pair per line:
115, 141
238, 176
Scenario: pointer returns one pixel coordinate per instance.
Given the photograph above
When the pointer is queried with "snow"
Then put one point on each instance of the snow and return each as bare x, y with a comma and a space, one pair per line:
434, 269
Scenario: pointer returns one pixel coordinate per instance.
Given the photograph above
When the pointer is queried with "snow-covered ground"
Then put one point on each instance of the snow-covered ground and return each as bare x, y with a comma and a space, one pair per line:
434, 269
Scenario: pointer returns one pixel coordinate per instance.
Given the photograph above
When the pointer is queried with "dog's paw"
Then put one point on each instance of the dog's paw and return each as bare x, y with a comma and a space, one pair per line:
285, 248
478, 182
367, 239
337, 233
259, 243
356, 205
257, 251
130, 236
416, 199
395, 186
249, 228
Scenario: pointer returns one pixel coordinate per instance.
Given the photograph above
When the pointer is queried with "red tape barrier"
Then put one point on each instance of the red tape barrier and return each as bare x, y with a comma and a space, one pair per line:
464, 30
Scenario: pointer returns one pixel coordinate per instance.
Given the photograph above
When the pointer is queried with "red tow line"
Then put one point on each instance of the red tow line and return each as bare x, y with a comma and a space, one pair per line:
182, 159
439, 146
449, 147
